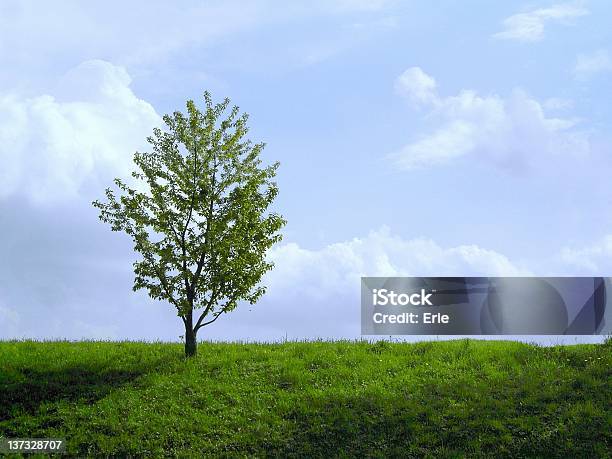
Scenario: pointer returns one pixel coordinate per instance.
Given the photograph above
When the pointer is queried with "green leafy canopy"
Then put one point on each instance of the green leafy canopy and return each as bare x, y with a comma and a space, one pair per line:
199, 213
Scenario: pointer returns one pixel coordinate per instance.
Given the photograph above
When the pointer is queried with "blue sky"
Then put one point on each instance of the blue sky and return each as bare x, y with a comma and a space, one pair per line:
455, 138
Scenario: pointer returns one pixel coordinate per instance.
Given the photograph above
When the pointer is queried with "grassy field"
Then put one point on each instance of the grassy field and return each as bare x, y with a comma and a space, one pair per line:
311, 399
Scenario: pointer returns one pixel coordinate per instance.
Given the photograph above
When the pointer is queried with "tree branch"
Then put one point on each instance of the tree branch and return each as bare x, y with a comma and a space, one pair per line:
211, 302
164, 283
190, 291
210, 321
200, 265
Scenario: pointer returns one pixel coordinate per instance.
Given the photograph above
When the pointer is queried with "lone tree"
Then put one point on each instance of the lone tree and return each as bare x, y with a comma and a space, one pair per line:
198, 215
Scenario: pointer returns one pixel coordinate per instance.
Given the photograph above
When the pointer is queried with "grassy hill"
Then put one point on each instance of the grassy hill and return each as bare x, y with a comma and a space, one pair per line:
311, 398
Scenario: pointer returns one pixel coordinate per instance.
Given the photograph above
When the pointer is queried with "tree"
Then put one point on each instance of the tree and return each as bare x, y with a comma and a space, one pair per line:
198, 215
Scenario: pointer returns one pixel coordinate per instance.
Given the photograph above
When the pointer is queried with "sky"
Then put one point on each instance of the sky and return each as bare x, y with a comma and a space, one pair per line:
415, 138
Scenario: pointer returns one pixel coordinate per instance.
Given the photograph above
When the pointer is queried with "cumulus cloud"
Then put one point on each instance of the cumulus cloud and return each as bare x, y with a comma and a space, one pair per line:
315, 293
417, 86
382, 253
52, 147
512, 132
589, 65
529, 26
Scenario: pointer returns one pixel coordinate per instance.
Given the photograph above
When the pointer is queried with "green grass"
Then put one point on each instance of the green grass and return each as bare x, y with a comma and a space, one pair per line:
312, 399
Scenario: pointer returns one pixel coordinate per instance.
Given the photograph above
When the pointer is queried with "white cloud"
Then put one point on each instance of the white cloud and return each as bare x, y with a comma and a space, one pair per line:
315, 293
33, 33
589, 65
512, 132
417, 86
380, 253
30, 30
529, 26
52, 147
594, 259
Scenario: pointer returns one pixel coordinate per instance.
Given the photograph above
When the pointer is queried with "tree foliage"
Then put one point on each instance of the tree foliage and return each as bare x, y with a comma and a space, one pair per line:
197, 212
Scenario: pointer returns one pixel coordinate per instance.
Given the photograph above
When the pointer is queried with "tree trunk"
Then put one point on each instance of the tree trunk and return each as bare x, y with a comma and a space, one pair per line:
191, 344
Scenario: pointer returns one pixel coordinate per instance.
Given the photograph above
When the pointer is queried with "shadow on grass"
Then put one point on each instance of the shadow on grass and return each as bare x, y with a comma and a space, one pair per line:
352, 426
24, 392
392, 426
